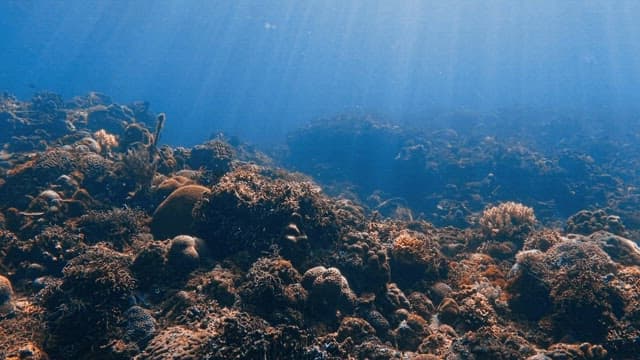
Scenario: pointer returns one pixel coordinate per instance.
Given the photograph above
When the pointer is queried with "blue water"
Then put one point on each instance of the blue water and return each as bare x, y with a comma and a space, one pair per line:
258, 69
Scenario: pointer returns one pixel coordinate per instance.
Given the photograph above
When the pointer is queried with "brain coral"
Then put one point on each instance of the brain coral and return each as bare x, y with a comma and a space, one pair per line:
174, 215
328, 291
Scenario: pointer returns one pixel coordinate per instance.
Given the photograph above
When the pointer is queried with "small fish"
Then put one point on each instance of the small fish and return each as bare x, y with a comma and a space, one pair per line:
26, 213
5, 156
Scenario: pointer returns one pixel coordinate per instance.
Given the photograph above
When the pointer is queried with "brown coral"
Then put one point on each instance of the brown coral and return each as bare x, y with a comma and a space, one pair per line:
251, 206
174, 215
116, 226
183, 256
85, 307
329, 292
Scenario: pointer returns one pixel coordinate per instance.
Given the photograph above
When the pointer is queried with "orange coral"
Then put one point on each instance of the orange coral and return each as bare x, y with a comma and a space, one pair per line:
107, 141
406, 242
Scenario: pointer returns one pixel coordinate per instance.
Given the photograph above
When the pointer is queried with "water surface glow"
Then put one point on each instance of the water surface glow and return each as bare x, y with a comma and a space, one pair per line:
260, 68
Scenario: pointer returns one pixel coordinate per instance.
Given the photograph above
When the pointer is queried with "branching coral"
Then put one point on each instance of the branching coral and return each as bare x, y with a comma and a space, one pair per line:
215, 156
508, 221
138, 165
48, 251
107, 141
271, 290
175, 342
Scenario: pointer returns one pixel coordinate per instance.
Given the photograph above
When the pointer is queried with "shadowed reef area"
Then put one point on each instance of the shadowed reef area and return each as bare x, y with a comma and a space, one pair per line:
491, 238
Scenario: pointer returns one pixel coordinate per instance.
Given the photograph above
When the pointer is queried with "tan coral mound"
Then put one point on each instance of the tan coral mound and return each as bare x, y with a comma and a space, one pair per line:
174, 215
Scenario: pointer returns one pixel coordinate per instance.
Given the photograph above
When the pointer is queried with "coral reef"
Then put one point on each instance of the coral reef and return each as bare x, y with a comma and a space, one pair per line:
116, 227
447, 172
113, 246
416, 258
250, 208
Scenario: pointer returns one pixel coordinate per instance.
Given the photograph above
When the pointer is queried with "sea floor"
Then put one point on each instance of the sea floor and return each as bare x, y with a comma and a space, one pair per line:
361, 240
